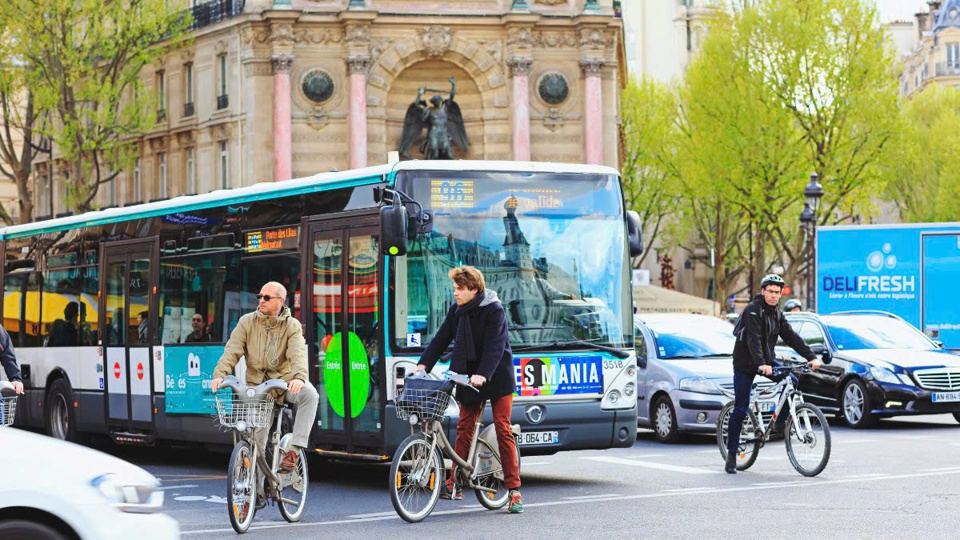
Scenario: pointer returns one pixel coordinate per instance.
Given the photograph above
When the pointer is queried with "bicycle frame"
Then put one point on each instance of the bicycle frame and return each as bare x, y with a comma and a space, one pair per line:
274, 482
433, 430
788, 396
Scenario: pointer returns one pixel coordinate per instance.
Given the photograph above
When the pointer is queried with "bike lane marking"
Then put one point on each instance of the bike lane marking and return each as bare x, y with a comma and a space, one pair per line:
663, 494
651, 465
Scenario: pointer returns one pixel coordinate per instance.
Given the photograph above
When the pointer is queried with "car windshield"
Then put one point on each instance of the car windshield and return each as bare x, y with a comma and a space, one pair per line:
551, 245
875, 332
699, 337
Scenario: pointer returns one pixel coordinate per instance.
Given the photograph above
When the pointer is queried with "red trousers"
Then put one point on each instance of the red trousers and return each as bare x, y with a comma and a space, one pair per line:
501, 421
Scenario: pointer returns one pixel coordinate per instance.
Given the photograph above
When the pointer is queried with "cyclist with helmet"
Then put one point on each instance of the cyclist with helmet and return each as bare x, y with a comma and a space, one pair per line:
757, 330
792, 305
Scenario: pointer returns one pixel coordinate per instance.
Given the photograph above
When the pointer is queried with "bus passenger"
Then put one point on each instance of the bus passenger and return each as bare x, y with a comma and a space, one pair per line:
199, 334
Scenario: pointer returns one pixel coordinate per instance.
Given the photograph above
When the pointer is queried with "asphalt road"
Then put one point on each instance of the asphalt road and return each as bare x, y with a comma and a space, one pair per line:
895, 481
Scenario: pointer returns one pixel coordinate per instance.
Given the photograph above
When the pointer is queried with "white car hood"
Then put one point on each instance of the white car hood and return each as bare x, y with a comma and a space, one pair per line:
708, 368
908, 358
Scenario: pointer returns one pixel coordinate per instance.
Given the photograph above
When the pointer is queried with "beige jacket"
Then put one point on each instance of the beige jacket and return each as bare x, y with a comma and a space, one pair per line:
252, 340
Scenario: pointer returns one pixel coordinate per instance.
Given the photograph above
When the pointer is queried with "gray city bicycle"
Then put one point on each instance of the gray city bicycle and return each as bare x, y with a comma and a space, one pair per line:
417, 471
254, 469
806, 433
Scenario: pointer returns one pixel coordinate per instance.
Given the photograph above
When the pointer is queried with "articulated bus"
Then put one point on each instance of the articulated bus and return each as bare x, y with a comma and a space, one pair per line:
119, 315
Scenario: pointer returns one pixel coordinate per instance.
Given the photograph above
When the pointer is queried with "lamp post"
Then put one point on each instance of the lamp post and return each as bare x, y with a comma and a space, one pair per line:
808, 222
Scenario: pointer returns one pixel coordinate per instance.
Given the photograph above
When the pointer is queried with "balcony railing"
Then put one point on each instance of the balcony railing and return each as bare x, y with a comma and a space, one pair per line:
944, 69
213, 12
222, 102
188, 110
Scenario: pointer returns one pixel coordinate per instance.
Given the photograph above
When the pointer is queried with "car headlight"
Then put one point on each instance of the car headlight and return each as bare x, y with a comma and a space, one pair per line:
905, 379
129, 496
884, 375
699, 384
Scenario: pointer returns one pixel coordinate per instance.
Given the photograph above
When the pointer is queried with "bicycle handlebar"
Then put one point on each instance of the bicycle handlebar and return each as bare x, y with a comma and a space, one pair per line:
241, 389
6, 387
460, 379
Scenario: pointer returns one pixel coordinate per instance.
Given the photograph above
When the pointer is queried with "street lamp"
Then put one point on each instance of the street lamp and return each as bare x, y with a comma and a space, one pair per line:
808, 222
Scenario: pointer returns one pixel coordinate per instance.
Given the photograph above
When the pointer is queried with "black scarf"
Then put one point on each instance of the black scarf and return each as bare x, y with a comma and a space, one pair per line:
464, 340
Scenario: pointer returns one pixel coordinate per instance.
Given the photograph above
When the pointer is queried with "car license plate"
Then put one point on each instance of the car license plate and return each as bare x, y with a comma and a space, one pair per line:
767, 406
943, 397
529, 438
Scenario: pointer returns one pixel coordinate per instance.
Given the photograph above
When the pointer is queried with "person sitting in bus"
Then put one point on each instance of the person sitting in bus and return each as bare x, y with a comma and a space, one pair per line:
9, 360
66, 332
199, 334
142, 327
273, 344
477, 324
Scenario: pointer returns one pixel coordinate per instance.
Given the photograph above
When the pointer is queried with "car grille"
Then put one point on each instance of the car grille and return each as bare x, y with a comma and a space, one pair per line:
938, 379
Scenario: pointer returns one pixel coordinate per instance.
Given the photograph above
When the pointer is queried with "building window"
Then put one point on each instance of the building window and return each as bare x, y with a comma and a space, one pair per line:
191, 172
188, 109
224, 164
162, 174
222, 101
136, 180
161, 96
953, 55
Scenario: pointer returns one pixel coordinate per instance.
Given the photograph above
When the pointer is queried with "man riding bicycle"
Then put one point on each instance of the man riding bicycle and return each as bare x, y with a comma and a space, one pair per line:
757, 330
477, 324
272, 342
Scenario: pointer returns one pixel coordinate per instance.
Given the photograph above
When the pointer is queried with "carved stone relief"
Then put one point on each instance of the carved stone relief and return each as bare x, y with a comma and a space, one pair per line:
436, 40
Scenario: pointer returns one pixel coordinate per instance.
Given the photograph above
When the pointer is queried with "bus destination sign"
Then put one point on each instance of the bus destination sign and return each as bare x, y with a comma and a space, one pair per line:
270, 239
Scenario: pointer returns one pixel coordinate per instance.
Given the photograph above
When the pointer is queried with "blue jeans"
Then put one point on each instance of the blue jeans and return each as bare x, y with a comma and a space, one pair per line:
742, 384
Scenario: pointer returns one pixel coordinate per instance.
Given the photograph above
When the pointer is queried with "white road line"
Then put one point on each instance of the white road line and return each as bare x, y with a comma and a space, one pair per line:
651, 465
682, 490
644, 456
869, 475
941, 469
771, 458
188, 486
714, 451
586, 497
774, 484
373, 515
662, 494
856, 441
955, 444
533, 463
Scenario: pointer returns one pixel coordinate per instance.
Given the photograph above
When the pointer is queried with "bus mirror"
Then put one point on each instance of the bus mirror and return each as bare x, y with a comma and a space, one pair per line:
634, 233
393, 229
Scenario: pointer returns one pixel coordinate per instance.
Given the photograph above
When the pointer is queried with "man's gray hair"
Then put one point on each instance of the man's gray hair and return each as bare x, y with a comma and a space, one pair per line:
281, 290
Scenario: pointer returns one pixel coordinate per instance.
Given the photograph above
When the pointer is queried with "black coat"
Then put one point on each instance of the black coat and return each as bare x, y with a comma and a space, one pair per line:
757, 330
8, 357
494, 359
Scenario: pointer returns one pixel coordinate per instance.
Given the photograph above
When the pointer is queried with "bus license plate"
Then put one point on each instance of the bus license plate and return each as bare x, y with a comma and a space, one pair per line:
943, 397
767, 406
529, 438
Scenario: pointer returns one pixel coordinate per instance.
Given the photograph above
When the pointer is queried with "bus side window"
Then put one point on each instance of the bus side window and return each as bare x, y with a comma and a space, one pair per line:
31, 335
61, 307
205, 284
13, 323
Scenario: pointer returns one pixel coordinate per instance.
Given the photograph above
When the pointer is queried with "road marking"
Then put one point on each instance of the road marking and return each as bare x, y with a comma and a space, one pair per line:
533, 463
643, 456
941, 469
658, 495
856, 441
706, 451
187, 486
651, 465
585, 497
868, 475
955, 444
372, 515
774, 484
190, 498
681, 490
771, 458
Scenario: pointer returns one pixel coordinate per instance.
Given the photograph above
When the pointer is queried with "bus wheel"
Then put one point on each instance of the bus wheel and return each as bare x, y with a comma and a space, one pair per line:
58, 412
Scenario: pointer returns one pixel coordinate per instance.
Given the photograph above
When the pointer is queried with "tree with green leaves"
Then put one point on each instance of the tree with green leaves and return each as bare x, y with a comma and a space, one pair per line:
83, 61
650, 168
924, 177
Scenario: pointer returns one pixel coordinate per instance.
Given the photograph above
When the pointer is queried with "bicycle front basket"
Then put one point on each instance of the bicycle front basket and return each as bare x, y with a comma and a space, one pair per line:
427, 398
255, 413
8, 409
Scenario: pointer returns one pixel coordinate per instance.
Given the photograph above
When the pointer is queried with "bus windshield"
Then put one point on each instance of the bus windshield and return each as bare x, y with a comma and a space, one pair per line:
551, 245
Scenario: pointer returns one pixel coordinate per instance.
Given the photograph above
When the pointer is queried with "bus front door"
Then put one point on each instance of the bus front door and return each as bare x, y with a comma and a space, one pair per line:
126, 320
342, 293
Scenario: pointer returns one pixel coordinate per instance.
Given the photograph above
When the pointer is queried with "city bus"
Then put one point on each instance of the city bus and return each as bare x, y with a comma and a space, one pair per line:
120, 315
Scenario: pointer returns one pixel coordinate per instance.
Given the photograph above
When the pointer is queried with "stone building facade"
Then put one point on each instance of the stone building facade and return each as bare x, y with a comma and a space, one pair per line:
278, 89
935, 58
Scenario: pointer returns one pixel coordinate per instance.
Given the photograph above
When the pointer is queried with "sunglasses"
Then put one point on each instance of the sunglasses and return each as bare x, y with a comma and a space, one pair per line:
267, 297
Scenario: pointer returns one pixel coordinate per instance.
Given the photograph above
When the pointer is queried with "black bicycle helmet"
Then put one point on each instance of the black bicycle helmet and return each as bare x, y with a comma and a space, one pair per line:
772, 279
792, 304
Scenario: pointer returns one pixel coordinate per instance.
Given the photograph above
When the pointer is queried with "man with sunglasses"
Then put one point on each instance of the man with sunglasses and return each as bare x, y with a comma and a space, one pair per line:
272, 342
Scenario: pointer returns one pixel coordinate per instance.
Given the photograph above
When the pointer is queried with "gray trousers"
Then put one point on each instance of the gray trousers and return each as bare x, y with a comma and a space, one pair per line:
306, 403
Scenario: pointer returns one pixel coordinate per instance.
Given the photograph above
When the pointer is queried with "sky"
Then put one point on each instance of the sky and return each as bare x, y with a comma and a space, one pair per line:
900, 9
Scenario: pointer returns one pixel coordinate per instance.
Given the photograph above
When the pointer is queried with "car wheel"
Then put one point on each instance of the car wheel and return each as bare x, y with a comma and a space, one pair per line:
665, 421
28, 530
58, 412
855, 404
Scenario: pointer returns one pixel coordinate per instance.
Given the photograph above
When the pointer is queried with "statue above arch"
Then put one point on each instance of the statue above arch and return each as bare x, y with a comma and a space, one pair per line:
443, 121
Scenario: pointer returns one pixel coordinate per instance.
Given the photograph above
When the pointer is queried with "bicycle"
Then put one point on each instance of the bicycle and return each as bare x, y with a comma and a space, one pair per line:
417, 471
8, 405
806, 428
249, 409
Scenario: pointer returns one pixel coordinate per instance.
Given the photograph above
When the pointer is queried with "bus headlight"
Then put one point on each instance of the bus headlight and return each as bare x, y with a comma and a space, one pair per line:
614, 396
629, 390
632, 372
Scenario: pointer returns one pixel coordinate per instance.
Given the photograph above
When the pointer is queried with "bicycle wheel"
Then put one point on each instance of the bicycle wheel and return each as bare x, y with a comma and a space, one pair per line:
415, 477
241, 487
293, 489
749, 437
808, 440
499, 498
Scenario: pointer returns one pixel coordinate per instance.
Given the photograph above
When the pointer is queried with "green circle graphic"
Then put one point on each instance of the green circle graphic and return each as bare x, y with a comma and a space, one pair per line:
359, 374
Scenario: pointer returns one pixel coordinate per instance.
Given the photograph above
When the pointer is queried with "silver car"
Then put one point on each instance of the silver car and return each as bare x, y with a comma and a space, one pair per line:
685, 372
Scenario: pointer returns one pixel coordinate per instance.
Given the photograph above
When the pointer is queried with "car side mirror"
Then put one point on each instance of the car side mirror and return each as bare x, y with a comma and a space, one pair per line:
393, 229
938, 343
826, 357
641, 361
634, 233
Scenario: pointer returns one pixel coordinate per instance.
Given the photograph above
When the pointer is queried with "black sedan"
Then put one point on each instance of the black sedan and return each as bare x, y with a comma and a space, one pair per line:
882, 366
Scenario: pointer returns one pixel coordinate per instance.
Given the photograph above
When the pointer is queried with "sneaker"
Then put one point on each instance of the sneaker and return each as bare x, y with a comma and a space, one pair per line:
451, 490
516, 502
289, 461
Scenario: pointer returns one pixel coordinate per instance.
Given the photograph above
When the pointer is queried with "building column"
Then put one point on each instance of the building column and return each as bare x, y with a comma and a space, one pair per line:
282, 119
357, 67
520, 71
593, 111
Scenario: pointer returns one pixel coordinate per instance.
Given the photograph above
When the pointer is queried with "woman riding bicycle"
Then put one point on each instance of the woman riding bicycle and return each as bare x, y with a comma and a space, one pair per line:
477, 325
